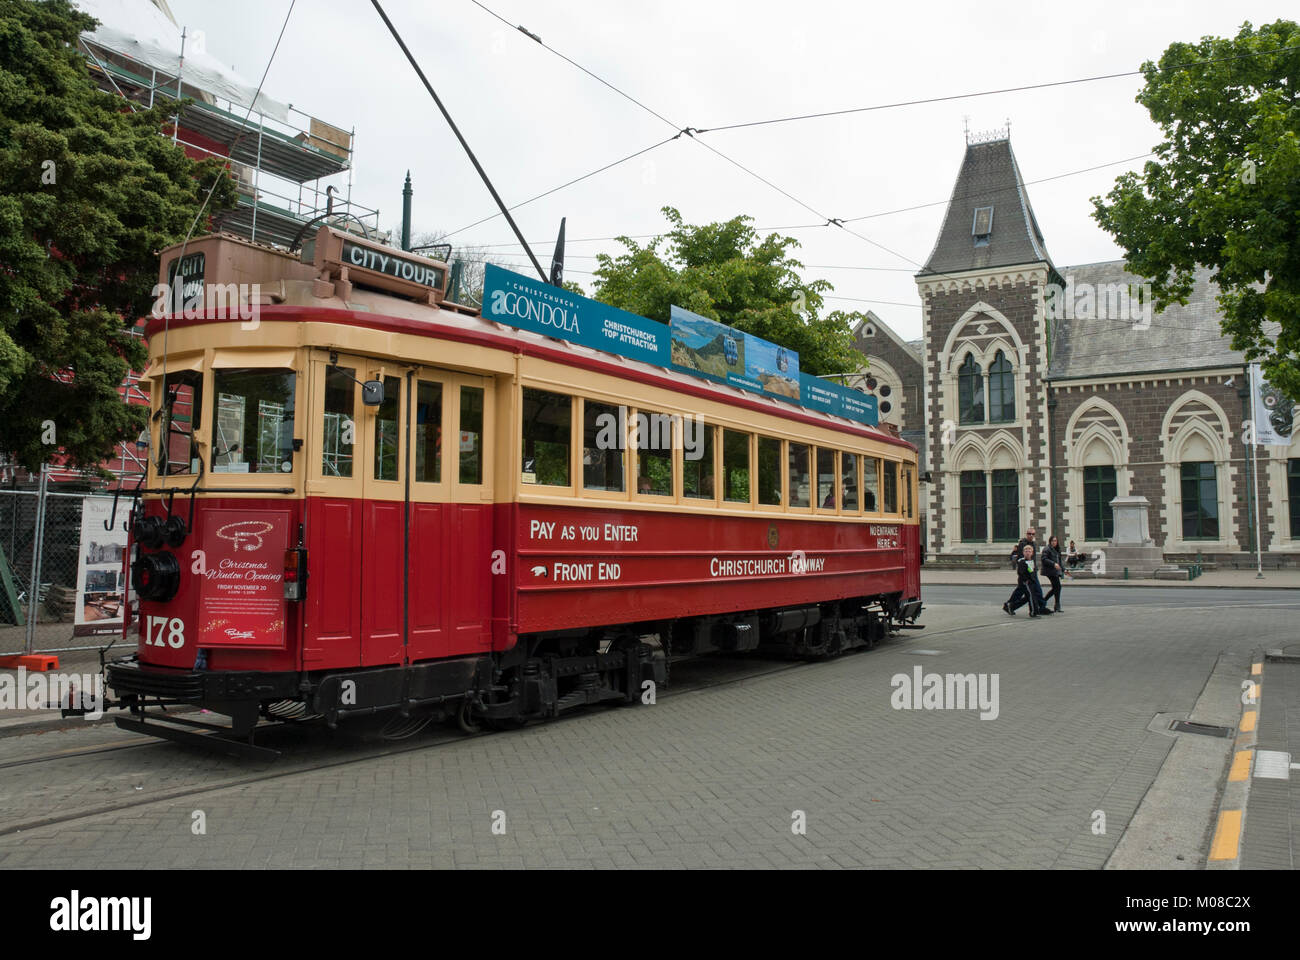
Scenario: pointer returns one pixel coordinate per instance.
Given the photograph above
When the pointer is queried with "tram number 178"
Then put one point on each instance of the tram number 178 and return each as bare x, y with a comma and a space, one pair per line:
156, 628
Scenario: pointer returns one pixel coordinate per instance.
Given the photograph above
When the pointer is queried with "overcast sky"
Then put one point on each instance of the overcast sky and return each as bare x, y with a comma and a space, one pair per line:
536, 121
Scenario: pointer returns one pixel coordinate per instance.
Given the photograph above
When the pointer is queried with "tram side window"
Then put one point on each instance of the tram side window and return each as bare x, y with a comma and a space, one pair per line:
769, 471
182, 406
870, 484
697, 459
253, 421
735, 466
826, 499
545, 454
340, 426
800, 487
388, 436
849, 481
654, 456
602, 447
471, 434
428, 431
907, 491
891, 487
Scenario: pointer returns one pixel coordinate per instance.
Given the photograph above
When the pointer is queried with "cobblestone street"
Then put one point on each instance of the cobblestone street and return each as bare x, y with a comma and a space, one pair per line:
720, 776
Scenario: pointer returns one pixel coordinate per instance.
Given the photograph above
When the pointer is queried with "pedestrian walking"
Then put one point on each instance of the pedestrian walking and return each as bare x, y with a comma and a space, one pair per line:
1018, 594
1027, 574
1054, 570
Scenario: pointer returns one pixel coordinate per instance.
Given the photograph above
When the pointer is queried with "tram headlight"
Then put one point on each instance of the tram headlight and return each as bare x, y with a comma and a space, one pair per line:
156, 576
149, 532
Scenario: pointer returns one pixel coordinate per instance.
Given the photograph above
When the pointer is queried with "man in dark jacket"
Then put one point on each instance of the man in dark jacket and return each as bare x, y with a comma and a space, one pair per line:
1018, 594
1027, 573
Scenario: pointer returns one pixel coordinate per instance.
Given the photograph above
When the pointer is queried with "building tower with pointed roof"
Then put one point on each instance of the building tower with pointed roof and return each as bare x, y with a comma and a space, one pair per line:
983, 296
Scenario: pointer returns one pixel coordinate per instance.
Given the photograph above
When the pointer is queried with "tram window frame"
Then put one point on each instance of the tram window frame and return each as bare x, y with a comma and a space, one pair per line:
856, 466
817, 480
781, 468
346, 378
657, 421
244, 379
907, 507
790, 447
536, 485
393, 390
889, 468
481, 452
192, 378
708, 439
600, 492
735, 503
419, 438
874, 510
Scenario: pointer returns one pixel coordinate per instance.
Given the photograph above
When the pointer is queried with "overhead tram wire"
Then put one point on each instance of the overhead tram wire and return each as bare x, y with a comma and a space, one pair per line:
869, 216
690, 132
459, 136
984, 93
524, 203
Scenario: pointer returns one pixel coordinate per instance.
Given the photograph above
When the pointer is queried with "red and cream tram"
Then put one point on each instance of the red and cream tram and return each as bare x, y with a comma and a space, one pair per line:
365, 498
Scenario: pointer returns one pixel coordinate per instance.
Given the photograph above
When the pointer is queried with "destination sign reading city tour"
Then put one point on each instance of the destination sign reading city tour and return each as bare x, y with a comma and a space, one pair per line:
541, 308
692, 344
242, 596
415, 270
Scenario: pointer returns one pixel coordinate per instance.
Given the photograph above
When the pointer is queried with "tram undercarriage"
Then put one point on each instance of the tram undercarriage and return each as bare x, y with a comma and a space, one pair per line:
541, 677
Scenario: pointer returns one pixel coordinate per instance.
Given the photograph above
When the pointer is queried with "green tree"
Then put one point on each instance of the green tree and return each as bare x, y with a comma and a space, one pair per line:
1224, 189
725, 272
89, 192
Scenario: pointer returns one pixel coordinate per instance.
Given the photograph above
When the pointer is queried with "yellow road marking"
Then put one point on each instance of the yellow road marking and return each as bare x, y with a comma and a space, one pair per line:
1240, 765
1248, 720
1227, 836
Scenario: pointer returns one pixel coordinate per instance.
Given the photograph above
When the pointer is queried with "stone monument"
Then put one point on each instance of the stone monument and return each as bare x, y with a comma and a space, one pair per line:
1131, 546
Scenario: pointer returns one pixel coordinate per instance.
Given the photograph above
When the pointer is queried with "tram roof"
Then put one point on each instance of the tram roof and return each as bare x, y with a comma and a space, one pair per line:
295, 299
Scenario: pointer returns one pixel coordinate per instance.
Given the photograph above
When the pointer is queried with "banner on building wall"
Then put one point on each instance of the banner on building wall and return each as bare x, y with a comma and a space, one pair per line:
101, 584
1272, 412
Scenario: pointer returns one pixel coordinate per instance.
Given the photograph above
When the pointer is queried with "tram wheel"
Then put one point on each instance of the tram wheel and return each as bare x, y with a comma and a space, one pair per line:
465, 718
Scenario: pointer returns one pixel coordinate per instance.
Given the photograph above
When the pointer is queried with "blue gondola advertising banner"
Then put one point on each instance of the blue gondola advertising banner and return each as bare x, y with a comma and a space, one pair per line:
692, 343
716, 351
541, 308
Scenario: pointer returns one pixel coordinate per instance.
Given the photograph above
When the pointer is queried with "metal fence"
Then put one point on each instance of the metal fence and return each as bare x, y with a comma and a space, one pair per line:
62, 580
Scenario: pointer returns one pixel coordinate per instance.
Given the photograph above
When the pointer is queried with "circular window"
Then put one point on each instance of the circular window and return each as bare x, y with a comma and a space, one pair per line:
871, 383
885, 391
885, 406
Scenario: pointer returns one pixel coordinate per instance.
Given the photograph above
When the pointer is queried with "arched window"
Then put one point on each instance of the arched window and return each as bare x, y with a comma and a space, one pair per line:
1002, 390
970, 391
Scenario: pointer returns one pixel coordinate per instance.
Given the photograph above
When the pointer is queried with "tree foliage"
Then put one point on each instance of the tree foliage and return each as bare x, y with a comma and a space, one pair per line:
1224, 188
89, 193
725, 272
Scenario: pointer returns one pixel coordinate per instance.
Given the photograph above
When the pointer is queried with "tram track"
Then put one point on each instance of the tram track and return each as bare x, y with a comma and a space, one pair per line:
283, 769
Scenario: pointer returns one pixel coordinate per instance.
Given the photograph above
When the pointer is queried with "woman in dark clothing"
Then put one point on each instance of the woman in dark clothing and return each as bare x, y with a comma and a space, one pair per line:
1053, 570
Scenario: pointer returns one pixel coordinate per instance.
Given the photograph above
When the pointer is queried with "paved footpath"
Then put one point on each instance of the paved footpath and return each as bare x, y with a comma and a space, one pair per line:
721, 777
1271, 834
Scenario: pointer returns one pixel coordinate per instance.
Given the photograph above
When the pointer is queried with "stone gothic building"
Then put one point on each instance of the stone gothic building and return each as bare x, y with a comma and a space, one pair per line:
1038, 393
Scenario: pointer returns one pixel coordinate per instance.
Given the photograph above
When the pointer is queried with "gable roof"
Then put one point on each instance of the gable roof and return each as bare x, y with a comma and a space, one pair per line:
861, 340
1097, 345
989, 177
